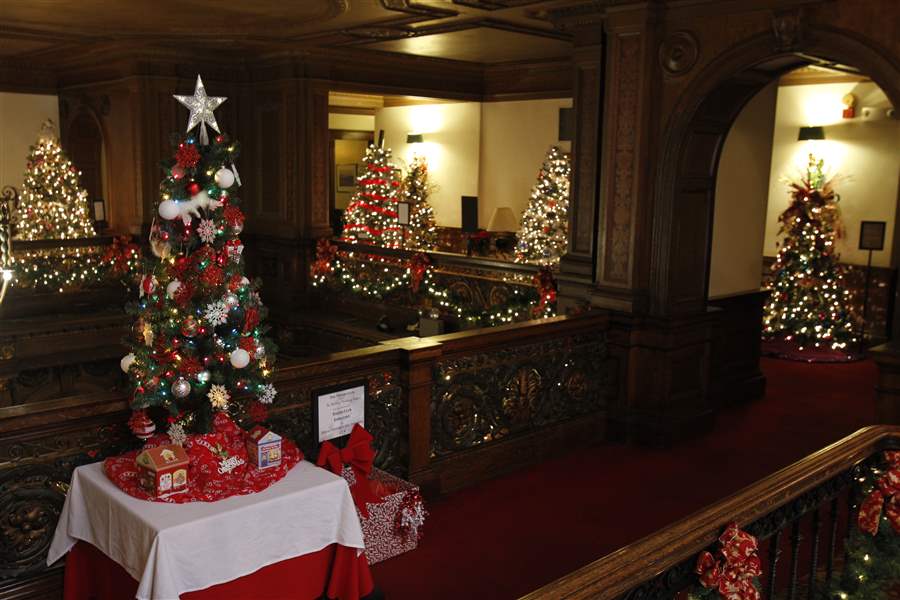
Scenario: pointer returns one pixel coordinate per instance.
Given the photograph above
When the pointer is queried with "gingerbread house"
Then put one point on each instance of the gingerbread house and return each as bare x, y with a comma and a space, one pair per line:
163, 470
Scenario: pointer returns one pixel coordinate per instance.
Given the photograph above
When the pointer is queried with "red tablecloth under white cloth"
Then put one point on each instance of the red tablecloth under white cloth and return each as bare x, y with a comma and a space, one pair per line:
171, 549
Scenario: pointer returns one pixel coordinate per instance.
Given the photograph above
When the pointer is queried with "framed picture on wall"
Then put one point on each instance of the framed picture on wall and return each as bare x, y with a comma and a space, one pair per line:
345, 178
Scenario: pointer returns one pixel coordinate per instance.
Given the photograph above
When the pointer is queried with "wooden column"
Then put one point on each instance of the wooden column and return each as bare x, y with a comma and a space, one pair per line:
887, 402
577, 265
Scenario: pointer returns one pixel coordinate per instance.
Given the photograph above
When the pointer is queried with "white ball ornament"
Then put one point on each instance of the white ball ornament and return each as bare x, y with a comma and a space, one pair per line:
172, 288
240, 358
224, 178
168, 210
181, 388
231, 300
127, 361
245, 281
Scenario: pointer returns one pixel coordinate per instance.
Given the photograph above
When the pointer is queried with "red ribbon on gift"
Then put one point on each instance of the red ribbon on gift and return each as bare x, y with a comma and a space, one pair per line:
885, 497
418, 265
733, 573
359, 456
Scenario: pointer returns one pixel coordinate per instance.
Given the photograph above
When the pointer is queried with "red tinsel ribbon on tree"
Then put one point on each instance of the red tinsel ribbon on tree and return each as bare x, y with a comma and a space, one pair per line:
325, 253
418, 265
359, 456
546, 286
885, 497
732, 573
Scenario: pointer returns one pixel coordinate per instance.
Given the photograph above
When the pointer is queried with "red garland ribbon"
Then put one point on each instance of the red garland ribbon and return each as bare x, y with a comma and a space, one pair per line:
733, 572
359, 455
325, 253
886, 498
546, 286
418, 265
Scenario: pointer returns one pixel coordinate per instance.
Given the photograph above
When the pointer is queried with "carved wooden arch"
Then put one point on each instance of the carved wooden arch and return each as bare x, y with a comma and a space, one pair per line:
691, 143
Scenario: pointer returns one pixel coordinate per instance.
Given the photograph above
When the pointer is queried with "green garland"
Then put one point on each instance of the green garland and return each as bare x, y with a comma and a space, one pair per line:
873, 561
382, 278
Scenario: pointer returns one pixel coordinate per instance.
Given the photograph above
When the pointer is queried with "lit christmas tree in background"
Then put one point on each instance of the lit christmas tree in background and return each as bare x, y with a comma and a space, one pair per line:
545, 224
53, 205
809, 304
422, 234
371, 215
198, 345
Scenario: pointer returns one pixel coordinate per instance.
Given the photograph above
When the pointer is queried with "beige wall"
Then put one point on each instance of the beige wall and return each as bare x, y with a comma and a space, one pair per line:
351, 122
21, 116
864, 153
742, 189
451, 146
515, 138
347, 152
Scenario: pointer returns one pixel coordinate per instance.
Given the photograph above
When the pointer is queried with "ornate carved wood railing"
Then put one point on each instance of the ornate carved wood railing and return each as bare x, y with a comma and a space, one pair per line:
806, 508
540, 382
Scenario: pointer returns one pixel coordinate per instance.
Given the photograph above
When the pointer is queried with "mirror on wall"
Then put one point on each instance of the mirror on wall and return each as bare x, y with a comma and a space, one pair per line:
476, 163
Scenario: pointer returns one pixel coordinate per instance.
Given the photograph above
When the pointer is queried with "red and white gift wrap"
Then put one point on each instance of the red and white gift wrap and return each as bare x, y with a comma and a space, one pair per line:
394, 525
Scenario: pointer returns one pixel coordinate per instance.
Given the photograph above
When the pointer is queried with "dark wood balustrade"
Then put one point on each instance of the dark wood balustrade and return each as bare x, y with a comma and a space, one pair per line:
539, 382
819, 488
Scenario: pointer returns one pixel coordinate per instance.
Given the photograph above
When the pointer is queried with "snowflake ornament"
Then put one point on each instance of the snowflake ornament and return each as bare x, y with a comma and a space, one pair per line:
176, 433
216, 313
267, 394
206, 231
218, 396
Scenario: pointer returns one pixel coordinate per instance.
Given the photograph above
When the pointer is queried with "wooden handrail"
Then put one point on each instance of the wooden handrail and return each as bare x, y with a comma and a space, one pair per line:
627, 568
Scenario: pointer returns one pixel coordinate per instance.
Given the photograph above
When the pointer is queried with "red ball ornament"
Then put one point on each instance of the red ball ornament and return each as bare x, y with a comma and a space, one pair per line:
220, 139
192, 188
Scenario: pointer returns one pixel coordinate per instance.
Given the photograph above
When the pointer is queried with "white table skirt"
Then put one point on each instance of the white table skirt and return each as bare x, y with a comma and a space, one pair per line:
172, 549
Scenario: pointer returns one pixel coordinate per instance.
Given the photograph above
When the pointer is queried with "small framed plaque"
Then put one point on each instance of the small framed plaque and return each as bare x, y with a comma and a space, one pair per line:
403, 213
871, 235
335, 410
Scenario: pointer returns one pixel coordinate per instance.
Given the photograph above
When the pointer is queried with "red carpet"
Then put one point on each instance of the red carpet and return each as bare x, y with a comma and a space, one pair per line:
504, 538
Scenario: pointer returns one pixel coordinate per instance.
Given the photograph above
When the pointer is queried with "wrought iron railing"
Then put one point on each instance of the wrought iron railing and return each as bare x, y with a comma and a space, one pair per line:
805, 511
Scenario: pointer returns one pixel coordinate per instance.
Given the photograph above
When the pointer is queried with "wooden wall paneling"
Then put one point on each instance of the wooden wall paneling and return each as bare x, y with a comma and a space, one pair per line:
735, 374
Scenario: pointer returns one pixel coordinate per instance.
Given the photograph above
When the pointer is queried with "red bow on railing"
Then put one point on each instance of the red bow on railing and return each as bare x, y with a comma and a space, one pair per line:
546, 287
359, 456
885, 497
733, 573
418, 265
325, 253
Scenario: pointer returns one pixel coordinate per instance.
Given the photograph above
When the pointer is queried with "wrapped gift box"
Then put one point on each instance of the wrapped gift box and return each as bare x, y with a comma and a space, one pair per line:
394, 525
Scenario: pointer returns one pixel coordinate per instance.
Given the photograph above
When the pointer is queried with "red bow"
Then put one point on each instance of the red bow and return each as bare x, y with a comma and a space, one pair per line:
546, 287
734, 572
359, 456
886, 497
418, 265
325, 254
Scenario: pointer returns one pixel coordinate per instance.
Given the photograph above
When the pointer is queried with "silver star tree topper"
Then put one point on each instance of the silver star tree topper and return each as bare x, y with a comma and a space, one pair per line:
201, 107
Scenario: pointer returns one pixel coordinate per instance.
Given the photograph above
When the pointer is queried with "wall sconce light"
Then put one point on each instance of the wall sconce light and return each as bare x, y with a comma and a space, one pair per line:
414, 138
811, 133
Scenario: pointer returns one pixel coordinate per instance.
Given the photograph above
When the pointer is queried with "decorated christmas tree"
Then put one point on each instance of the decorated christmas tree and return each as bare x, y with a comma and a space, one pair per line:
198, 344
53, 205
808, 305
371, 215
422, 233
545, 224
